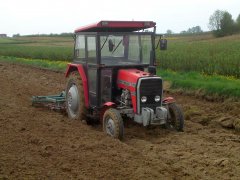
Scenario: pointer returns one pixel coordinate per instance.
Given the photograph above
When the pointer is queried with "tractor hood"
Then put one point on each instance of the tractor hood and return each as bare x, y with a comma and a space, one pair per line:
129, 77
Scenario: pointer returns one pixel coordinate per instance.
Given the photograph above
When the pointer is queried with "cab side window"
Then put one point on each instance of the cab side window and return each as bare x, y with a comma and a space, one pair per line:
80, 47
91, 41
91, 49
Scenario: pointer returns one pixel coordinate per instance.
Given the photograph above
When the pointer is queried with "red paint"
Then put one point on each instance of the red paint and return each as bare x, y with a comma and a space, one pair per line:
117, 26
131, 75
109, 104
127, 79
79, 67
168, 100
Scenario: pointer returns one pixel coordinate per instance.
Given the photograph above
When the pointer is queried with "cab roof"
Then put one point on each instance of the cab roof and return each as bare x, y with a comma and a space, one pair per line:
117, 26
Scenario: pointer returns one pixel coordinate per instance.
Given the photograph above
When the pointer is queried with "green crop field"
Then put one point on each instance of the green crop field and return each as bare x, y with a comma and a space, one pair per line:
51, 48
202, 53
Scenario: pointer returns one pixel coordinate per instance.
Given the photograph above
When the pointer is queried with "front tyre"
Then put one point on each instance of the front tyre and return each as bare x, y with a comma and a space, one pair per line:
175, 117
113, 123
75, 100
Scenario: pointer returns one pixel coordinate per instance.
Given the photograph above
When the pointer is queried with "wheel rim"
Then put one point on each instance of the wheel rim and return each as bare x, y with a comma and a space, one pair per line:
110, 126
73, 100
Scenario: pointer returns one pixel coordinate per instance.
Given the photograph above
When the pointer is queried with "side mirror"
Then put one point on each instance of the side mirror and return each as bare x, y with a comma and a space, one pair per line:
163, 44
110, 45
152, 70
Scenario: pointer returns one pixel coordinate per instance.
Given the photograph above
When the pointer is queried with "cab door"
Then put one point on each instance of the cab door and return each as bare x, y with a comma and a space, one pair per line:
92, 69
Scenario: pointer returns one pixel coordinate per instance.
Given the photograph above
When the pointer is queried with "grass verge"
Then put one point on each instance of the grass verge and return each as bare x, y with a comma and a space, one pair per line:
217, 86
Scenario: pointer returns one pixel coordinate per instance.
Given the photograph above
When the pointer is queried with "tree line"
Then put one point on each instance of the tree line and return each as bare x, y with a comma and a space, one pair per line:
192, 30
222, 24
45, 35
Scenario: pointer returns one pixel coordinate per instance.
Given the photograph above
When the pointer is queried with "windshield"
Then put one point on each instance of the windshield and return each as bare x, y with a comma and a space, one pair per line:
125, 49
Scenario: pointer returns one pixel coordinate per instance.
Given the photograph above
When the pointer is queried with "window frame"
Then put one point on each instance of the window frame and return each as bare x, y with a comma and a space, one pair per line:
75, 44
151, 61
87, 52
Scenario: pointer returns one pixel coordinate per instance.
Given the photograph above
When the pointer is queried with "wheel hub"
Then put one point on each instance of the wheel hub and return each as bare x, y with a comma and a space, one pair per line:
73, 99
110, 127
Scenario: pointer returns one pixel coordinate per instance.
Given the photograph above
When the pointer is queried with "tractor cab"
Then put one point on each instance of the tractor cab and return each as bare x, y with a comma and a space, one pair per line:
113, 76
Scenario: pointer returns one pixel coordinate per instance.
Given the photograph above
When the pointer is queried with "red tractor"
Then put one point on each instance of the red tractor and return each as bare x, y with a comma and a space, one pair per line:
113, 77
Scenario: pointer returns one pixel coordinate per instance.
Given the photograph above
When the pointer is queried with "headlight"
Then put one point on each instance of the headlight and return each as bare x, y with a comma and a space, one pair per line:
144, 99
157, 98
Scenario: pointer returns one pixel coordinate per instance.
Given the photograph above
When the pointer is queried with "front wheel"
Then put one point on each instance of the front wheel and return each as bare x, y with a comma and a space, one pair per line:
175, 117
113, 123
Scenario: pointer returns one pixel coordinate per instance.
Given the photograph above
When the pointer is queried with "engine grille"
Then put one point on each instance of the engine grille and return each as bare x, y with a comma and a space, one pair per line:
149, 87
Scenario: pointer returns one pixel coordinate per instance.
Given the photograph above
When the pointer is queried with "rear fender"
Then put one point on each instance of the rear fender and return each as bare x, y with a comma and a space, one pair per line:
79, 68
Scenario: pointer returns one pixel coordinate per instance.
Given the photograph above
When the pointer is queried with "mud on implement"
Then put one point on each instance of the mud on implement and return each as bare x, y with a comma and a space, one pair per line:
53, 102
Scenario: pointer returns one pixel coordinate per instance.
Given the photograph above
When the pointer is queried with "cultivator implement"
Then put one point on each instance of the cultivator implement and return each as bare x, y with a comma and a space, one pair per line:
53, 102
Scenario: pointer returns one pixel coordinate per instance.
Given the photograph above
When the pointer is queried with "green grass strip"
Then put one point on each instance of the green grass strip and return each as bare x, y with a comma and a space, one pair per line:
210, 85
47, 64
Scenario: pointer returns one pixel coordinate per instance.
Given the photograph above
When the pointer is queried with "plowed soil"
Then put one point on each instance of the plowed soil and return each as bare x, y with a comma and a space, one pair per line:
43, 144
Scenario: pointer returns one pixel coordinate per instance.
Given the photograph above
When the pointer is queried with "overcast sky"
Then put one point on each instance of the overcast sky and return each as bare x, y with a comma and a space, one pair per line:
57, 16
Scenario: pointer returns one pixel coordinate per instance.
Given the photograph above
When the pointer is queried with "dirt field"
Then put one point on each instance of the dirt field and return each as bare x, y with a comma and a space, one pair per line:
40, 144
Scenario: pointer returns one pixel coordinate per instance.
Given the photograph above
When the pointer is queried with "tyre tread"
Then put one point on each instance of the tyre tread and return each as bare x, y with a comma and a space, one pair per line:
116, 117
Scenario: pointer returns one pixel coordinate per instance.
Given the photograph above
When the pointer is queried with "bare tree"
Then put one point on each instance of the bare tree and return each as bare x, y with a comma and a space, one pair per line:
215, 20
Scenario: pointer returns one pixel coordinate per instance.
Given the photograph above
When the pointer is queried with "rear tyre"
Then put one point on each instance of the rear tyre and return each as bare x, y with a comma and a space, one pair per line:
75, 100
175, 117
113, 123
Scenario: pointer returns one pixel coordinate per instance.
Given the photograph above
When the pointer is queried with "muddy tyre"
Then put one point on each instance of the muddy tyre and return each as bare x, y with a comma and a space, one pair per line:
113, 123
175, 117
75, 100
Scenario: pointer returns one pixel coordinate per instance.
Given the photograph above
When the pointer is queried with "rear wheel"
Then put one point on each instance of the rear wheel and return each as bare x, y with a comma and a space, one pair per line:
175, 117
113, 123
75, 100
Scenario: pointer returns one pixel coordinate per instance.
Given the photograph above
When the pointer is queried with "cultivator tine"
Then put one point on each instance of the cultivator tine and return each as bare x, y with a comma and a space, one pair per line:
53, 102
